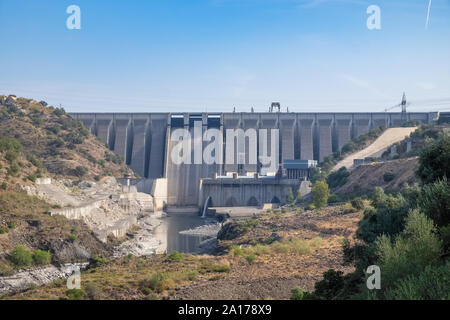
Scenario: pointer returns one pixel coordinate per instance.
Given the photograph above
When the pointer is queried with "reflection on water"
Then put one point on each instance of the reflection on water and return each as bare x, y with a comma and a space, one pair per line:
169, 233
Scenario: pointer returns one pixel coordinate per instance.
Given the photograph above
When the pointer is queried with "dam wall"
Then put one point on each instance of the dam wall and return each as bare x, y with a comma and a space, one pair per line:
144, 142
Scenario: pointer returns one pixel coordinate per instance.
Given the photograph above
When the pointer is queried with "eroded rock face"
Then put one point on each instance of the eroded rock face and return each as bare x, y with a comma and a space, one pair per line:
230, 231
24, 279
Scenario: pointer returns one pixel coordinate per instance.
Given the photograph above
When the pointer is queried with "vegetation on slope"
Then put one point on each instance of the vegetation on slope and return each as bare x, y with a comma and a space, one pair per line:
29, 236
407, 235
40, 141
37, 140
352, 146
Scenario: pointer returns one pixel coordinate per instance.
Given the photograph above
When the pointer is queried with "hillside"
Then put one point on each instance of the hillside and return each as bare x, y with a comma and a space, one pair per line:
40, 141
419, 139
378, 147
391, 176
37, 140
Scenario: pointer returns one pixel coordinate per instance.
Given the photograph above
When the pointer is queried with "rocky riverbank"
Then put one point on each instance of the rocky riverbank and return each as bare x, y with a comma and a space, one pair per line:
26, 279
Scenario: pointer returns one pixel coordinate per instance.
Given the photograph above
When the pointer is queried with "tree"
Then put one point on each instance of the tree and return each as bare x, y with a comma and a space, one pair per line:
299, 198
290, 197
320, 194
21, 256
434, 201
409, 253
41, 257
435, 160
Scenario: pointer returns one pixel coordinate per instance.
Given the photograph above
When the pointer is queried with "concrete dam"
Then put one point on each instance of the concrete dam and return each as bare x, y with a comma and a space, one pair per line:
144, 141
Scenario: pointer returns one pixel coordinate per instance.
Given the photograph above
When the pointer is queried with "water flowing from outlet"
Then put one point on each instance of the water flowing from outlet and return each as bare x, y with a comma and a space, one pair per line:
205, 207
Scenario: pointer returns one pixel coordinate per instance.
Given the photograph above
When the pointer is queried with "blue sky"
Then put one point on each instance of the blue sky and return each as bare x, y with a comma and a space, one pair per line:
213, 55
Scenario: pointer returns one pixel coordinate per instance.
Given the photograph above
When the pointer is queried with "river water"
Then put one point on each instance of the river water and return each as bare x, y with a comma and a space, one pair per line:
188, 241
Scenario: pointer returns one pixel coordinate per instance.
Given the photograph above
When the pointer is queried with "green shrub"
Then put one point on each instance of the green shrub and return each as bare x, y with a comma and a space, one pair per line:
155, 281
75, 294
434, 163
334, 198
4, 229
3, 186
21, 256
210, 266
59, 112
14, 168
175, 256
347, 208
6, 269
220, 268
236, 250
92, 291
81, 171
297, 294
152, 296
41, 257
290, 197
357, 203
192, 275
34, 160
389, 219
72, 237
299, 197
415, 248
434, 201
445, 236
11, 155
431, 284
369, 211
251, 257
311, 207
330, 286
320, 194
338, 178
388, 177
10, 144
98, 261
249, 224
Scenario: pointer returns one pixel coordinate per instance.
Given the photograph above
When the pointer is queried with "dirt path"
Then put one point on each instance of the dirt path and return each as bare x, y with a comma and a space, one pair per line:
376, 149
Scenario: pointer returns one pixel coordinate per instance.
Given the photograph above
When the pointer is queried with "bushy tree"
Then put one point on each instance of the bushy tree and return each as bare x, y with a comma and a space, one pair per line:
299, 197
387, 216
435, 160
434, 201
431, 284
338, 178
290, 197
41, 257
320, 194
408, 254
21, 256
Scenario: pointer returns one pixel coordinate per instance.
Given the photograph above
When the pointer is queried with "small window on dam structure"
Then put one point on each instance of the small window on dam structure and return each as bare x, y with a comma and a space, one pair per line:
193, 118
177, 121
214, 121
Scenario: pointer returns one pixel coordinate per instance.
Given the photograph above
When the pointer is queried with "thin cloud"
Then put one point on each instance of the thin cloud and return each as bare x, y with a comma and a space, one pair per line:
428, 14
